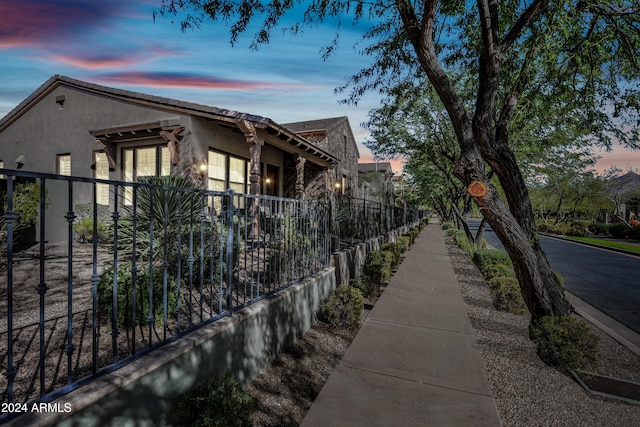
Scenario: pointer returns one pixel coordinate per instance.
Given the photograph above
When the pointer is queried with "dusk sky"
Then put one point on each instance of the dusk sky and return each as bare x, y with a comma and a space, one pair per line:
116, 43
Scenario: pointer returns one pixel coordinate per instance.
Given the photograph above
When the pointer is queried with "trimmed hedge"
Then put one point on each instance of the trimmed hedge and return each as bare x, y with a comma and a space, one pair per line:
507, 295
395, 250
497, 270
343, 308
484, 258
377, 266
565, 343
221, 402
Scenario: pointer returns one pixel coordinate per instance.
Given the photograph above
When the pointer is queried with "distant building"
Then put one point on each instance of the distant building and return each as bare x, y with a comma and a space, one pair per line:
624, 191
376, 182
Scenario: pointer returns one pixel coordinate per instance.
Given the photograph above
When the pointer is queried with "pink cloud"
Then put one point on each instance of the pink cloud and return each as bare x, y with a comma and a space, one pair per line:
96, 62
623, 159
183, 80
37, 22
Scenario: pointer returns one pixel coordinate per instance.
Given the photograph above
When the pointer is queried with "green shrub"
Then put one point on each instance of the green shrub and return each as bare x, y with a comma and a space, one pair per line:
447, 225
600, 228
26, 207
620, 231
220, 403
496, 270
83, 231
463, 243
413, 234
482, 244
565, 343
377, 266
576, 230
483, 258
125, 296
343, 308
395, 250
365, 286
404, 242
543, 227
506, 294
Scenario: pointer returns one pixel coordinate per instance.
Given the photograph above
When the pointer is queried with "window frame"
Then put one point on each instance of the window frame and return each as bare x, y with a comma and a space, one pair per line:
102, 190
227, 182
161, 153
59, 165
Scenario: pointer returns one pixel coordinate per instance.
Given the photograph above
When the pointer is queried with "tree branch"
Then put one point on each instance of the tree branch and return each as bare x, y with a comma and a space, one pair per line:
511, 101
524, 19
421, 36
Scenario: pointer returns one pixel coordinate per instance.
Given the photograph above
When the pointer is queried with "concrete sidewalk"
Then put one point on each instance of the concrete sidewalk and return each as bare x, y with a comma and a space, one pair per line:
414, 361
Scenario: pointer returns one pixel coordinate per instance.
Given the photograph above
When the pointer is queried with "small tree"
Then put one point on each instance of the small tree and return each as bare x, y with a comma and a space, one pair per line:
26, 205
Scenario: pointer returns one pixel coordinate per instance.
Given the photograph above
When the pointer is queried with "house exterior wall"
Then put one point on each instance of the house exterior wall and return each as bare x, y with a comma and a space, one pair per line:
46, 129
341, 142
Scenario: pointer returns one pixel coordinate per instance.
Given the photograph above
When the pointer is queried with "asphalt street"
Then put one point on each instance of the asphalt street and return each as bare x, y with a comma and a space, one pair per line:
607, 280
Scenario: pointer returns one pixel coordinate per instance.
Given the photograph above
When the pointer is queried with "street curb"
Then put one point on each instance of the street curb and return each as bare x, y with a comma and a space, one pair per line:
616, 330
593, 245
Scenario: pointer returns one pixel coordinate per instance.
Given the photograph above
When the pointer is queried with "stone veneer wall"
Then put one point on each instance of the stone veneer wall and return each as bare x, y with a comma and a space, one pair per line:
341, 143
314, 180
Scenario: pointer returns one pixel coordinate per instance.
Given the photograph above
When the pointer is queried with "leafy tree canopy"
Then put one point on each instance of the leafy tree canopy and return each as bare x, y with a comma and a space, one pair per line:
493, 64
580, 57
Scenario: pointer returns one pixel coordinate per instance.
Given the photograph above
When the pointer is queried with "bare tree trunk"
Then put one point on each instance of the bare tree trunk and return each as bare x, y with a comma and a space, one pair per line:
540, 286
484, 140
481, 228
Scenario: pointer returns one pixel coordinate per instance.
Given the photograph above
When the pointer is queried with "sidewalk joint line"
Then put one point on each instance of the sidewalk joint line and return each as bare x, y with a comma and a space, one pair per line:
415, 381
395, 322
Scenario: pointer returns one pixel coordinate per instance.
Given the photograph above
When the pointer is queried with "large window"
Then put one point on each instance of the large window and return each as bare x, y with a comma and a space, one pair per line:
144, 161
101, 171
238, 175
227, 172
63, 164
217, 171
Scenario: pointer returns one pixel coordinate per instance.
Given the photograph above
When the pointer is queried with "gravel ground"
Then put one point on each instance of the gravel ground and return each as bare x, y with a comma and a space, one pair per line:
527, 392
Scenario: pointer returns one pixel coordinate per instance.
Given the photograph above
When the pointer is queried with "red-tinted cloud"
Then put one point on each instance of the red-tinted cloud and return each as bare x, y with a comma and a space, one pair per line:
96, 62
184, 80
38, 22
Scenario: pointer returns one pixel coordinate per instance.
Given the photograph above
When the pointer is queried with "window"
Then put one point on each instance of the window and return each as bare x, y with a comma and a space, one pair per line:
63, 165
227, 172
145, 161
1, 166
101, 171
238, 175
217, 171
139, 162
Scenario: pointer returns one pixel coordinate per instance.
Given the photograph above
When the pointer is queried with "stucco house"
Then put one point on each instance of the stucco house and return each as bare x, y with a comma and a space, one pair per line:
73, 127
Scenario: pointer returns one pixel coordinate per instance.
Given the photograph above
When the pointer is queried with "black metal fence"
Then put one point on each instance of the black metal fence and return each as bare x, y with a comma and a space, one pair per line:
356, 220
158, 261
